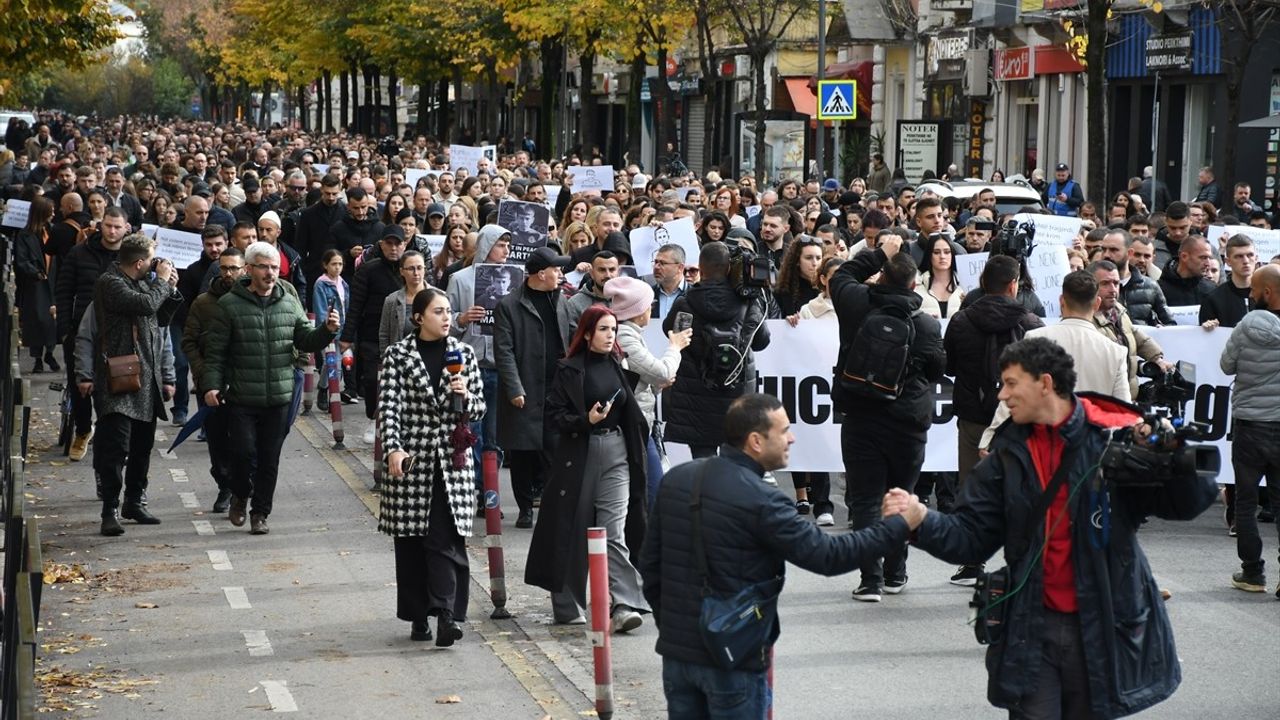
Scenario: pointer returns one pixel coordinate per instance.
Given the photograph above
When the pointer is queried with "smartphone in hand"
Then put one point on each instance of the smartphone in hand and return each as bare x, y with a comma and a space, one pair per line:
683, 322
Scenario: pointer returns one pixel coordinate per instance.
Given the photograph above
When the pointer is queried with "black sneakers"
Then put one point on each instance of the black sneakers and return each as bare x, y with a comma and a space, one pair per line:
893, 586
867, 593
1250, 582
966, 575
421, 631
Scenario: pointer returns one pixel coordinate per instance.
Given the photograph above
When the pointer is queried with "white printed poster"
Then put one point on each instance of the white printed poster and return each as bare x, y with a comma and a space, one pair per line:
1048, 266
466, 156
181, 248
15, 214
969, 269
1052, 229
591, 179
1266, 243
413, 175
645, 241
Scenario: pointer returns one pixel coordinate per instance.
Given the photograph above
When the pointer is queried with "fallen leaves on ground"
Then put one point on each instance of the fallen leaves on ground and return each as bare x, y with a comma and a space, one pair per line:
55, 572
71, 690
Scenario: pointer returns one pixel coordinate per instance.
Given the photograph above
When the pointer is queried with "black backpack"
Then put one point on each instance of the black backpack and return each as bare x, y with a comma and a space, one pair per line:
878, 362
724, 350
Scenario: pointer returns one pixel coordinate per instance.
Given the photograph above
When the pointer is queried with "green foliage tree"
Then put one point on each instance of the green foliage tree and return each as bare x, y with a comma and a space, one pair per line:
38, 35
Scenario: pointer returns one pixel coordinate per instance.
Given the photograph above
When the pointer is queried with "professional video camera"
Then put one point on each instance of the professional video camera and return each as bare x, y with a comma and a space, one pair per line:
1015, 239
1152, 459
388, 146
749, 273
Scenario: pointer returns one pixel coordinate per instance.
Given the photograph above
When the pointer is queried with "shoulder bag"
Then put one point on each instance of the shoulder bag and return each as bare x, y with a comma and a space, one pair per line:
124, 372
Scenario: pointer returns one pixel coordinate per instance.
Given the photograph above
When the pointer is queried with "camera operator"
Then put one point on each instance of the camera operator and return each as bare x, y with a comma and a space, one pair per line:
719, 365
1252, 354
1071, 583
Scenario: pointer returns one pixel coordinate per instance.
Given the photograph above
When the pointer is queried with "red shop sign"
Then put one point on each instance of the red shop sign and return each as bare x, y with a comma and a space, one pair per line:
1013, 64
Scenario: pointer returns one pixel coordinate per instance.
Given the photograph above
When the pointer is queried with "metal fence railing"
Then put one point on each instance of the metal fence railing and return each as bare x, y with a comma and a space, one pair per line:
23, 567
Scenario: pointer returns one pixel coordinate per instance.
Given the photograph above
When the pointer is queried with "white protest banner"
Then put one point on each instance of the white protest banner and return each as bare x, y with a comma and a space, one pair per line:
1052, 229
413, 175
553, 196
591, 179
1266, 243
466, 156
322, 168
181, 248
645, 241
150, 230
796, 368
969, 269
1185, 315
1048, 265
435, 243
15, 214
494, 282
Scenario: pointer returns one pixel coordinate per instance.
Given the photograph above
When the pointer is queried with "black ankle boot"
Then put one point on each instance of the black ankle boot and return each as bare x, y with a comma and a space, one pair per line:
447, 631
111, 526
421, 631
52, 363
137, 513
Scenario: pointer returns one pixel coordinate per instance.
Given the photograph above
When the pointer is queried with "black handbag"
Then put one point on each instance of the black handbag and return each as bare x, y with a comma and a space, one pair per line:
737, 628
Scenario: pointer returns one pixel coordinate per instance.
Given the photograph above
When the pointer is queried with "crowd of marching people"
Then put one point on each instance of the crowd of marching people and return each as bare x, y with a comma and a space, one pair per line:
312, 242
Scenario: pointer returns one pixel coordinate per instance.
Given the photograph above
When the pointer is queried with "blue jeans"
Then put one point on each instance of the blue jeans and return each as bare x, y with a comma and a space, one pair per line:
652, 471
696, 692
181, 393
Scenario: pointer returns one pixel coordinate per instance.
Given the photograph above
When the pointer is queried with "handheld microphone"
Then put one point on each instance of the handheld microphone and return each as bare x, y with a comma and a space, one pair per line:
453, 363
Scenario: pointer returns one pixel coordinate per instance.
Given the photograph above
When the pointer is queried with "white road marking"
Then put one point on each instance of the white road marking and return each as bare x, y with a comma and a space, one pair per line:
279, 696
236, 598
178, 474
257, 642
203, 527
219, 559
189, 500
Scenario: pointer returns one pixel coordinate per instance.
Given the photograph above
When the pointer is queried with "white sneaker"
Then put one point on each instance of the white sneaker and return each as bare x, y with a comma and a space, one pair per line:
826, 520
369, 434
626, 620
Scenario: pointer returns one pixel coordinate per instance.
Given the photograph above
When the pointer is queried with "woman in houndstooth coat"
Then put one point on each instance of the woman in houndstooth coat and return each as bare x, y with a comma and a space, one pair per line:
418, 419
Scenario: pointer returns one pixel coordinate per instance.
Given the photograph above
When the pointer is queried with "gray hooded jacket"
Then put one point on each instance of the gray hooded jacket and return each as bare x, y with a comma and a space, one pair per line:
462, 295
1252, 354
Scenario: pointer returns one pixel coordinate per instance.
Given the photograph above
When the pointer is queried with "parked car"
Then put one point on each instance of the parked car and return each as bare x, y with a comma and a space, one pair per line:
1011, 197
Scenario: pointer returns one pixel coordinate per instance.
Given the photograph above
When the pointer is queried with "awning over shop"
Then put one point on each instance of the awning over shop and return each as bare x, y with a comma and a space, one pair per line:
859, 70
803, 100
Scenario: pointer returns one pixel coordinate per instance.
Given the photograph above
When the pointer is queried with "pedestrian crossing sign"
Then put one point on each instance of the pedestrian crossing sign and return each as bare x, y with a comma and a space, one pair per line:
837, 100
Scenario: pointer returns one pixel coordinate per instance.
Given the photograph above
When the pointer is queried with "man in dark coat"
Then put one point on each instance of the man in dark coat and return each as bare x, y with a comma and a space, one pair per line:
882, 441
1073, 584
312, 237
373, 282
76, 279
117, 197
1139, 294
750, 530
1182, 280
357, 230
527, 344
693, 411
128, 299
1229, 302
975, 337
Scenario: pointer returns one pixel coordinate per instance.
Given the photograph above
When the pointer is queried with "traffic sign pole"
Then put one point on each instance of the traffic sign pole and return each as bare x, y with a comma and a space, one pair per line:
820, 140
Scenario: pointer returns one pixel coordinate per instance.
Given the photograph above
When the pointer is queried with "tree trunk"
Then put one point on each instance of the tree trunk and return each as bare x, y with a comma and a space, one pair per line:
757, 74
588, 133
443, 110
664, 113
393, 86
344, 100
365, 123
549, 115
706, 60
493, 103
457, 121
424, 95
1096, 90
376, 126
635, 120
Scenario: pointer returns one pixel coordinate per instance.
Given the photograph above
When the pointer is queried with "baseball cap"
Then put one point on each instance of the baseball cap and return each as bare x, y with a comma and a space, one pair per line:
849, 197
543, 258
393, 231
202, 190
435, 209
1061, 167
831, 185
250, 184
639, 181
353, 155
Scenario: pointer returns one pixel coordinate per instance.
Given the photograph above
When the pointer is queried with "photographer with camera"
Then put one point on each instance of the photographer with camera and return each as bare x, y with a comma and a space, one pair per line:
726, 310
1252, 354
1076, 577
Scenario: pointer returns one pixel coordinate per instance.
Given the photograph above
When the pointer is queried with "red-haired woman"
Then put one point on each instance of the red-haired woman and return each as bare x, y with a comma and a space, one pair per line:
598, 477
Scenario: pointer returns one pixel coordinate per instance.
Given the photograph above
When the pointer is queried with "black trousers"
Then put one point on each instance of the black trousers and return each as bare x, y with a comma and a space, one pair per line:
1062, 691
217, 437
876, 459
81, 407
528, 475
256, 435
368, 359
122, 458
432, 571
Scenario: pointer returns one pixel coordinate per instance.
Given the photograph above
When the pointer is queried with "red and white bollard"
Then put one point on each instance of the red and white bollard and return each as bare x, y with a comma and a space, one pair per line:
598, 567
333, 371
309, 377
493, 536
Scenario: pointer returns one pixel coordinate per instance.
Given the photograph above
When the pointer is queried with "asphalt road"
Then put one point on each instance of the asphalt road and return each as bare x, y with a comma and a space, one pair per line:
303, 619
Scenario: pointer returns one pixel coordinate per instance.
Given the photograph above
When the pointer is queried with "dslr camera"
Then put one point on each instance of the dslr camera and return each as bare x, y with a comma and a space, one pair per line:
1015, 239
1151, 460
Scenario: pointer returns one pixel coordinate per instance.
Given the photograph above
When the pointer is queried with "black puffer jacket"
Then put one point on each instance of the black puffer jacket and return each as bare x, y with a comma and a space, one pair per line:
1026, 298
348, 233
695, 413
912, 412
1145, 301
975, 337
374, 281
1179, 291
1131, 663
312, 238
82, 267
750, 531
